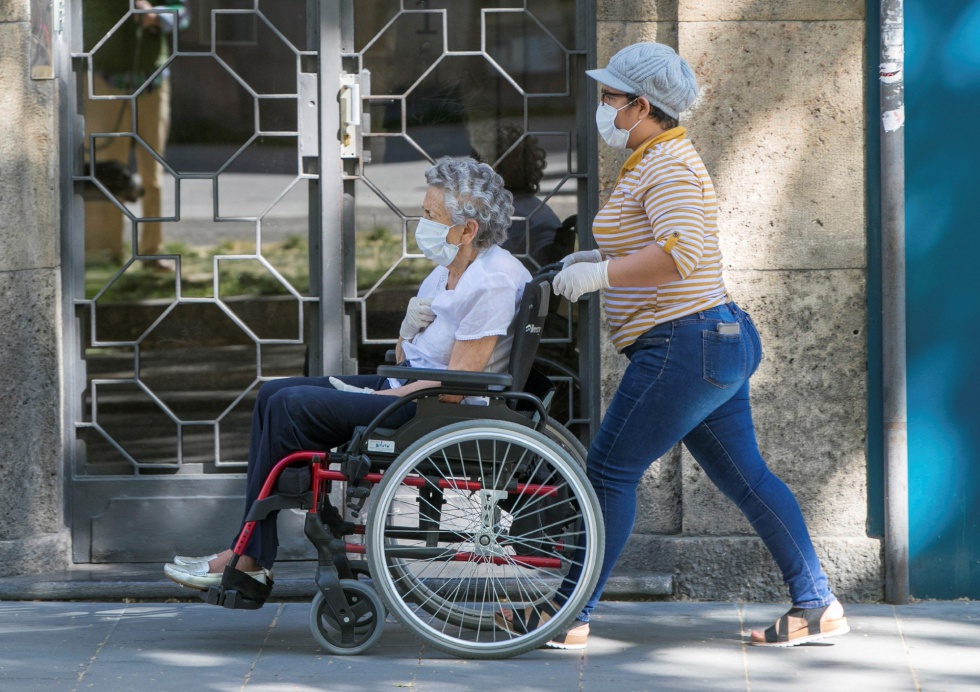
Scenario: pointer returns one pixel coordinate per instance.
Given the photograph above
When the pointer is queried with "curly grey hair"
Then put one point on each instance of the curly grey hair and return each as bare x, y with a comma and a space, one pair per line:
473, 190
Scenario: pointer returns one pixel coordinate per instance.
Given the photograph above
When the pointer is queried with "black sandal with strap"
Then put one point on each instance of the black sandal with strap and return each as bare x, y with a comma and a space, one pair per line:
575, 636
812, 630
528, 620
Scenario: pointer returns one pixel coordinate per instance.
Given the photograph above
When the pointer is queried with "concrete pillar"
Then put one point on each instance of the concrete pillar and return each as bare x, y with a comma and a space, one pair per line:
780, 124
33, 536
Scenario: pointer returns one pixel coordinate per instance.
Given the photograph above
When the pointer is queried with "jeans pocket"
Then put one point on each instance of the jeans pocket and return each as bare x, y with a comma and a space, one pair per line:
725, 361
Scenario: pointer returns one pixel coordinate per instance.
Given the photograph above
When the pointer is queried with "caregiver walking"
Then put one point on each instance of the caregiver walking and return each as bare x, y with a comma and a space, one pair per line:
691, 348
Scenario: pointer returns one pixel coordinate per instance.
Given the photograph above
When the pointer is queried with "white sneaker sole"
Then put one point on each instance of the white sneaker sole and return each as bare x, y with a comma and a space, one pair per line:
203, 582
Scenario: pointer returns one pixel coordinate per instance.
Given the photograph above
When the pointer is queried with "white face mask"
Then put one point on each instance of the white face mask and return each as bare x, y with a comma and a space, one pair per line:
605, 120
430, 236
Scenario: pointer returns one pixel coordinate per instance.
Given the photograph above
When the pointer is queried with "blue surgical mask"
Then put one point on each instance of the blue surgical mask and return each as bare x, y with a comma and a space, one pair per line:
605, 120
431, 238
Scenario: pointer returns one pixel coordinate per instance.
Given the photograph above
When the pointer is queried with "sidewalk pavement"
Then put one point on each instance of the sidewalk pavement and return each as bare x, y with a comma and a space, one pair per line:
105, 646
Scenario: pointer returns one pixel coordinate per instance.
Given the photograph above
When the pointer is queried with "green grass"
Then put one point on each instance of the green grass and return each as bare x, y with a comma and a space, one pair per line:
376, 251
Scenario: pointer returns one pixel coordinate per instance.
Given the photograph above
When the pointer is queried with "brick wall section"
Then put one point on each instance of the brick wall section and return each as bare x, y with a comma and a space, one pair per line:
780, 123
32, 533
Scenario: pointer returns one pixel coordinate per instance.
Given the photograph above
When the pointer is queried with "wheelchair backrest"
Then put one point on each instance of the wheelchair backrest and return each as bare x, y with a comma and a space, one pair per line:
433, 414
528, 327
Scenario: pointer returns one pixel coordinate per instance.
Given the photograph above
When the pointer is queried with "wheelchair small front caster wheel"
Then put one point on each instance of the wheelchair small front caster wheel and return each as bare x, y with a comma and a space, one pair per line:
367, 615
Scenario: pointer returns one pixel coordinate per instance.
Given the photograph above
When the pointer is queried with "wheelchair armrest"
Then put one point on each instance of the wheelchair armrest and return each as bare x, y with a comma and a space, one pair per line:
390, 356
468, 377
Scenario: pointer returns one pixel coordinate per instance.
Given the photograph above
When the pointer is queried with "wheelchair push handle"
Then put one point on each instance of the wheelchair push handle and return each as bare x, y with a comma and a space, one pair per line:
547, 271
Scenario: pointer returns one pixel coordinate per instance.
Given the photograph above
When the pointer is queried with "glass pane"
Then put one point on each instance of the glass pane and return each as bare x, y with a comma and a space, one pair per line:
526, 51
511, 101
197, 220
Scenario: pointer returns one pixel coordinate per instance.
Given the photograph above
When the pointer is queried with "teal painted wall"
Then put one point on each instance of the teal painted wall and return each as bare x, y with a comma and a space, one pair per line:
942, 146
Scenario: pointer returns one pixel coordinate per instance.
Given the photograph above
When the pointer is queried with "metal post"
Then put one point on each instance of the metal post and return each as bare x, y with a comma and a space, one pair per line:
329, 240
895, 417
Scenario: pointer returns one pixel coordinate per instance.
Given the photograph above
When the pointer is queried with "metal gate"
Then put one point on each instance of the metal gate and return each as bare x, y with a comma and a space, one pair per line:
248, 177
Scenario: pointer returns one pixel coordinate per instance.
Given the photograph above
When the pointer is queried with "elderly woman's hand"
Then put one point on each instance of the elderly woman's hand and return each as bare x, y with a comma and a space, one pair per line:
337, 384
418, 316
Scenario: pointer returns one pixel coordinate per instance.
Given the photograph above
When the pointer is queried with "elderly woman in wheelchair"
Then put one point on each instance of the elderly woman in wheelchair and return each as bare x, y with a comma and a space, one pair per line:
479, 507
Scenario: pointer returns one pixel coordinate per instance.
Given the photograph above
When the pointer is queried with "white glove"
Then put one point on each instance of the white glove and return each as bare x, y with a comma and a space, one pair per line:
337, 384
579, 279
418, 316
580, 256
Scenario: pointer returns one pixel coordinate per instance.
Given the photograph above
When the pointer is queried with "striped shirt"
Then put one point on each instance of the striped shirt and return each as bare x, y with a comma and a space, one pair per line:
664, 195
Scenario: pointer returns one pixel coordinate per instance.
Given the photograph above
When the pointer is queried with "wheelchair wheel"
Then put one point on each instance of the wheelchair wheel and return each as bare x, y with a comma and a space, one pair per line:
476, 617
566, 440
477, 519
365, 608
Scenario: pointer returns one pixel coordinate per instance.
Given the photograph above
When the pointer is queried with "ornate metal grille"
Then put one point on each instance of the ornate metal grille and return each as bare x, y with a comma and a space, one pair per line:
253, 228
197, 289
501, 81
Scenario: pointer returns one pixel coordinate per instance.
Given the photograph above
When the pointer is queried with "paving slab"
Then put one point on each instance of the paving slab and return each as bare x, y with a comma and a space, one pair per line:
675, 646
537, 671
863, 660
635, 646
942, 640
69, 635
292, 660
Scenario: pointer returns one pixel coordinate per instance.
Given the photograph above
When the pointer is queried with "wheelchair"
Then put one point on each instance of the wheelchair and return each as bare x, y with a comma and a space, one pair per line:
465, 514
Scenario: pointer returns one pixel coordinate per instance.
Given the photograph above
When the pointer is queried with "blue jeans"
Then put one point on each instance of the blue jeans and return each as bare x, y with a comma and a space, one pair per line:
298, 414
687, 381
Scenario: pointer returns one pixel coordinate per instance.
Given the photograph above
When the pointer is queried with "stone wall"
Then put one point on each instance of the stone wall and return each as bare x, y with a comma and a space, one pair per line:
32, 532
780, 124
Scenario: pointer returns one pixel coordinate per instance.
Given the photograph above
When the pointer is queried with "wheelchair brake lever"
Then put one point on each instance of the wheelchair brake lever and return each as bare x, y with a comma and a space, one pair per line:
356, 497
356, 468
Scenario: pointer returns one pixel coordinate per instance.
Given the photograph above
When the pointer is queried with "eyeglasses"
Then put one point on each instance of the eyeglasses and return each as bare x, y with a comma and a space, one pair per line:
607, 96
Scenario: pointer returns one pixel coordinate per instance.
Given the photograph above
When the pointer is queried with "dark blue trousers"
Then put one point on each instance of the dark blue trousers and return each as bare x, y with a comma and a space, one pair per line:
304, 413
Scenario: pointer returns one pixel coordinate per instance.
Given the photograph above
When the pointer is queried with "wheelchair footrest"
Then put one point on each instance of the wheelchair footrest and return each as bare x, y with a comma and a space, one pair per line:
238, 591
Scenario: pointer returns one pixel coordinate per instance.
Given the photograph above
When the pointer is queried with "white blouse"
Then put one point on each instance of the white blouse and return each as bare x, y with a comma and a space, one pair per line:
483, 304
